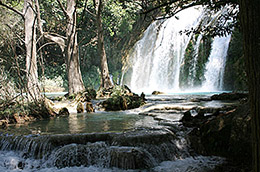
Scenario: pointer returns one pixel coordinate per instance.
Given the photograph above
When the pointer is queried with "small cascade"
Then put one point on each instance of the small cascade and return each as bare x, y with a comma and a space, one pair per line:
216, 64
137, 149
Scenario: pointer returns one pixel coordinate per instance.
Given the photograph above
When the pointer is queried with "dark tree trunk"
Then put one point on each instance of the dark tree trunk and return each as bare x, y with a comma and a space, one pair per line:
250, 20
105, 79
30, 44
71, 51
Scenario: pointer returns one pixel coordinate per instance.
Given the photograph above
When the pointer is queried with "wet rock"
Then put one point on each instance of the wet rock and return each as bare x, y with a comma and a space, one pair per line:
147, 136
131, 158
121, 98
201, 113
227, 134
143, 96
187, 116
64, 112
152, 140
229, 96
122, 102
81, 155
157, 92
80, 107
21, 165
89, 107
102, 155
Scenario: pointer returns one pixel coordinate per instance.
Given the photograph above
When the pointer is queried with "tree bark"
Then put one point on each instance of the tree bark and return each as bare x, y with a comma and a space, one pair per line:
30, 44
105, 79
68, 45
71, 51
250, 17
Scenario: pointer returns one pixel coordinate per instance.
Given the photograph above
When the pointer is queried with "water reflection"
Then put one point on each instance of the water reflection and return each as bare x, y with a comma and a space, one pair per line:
86, 123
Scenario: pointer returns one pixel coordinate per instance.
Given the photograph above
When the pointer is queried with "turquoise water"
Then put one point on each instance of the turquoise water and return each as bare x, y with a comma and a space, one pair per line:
84, 123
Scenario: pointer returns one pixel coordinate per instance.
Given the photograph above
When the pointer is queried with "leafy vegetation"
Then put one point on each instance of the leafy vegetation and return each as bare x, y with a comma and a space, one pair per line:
235, 74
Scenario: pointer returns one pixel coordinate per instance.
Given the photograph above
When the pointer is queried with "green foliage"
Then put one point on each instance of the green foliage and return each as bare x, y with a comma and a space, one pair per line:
193, 75
235, 75
118, 20
186, 70
203, 55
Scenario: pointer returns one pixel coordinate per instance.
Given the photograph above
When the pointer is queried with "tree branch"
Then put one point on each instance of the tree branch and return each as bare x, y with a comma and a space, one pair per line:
39, 16
63, 9
12, 9
159, 6
57, 39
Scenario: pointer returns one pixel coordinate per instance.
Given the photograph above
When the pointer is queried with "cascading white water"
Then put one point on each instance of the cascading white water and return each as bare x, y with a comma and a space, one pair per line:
216, 64
157, 56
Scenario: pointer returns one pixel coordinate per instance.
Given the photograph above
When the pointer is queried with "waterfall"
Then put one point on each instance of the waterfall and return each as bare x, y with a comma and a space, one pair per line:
216, 64
157, 57
157, 61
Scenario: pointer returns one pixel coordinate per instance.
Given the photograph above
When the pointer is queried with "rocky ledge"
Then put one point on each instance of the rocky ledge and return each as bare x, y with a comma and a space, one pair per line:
224, 133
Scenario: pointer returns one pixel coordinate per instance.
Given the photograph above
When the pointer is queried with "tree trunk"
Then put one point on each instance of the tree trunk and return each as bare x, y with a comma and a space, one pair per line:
30, 44
249, 13
105, 79
71, 51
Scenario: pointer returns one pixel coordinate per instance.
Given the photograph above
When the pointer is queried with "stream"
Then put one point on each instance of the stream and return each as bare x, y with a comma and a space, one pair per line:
149, 138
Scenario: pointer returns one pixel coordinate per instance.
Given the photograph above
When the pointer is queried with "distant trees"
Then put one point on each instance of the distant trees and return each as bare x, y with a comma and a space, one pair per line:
68, 45
28, 15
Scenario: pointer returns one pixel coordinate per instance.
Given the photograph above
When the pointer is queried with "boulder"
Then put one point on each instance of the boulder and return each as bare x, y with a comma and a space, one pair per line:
227, 134
122, 102
229, 96
64, 112
121, 98
89, 107
80, 107
157, 92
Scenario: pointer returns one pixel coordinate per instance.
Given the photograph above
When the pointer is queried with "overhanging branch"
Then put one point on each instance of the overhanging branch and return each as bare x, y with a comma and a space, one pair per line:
12, 9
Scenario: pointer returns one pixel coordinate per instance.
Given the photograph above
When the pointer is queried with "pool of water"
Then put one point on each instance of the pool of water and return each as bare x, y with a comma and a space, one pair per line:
85, 123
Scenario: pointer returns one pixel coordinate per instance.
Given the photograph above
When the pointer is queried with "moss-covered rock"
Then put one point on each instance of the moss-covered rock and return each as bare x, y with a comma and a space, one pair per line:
21, 112
121, 98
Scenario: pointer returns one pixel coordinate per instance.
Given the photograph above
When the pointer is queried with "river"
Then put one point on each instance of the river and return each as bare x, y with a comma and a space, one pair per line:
150, 138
